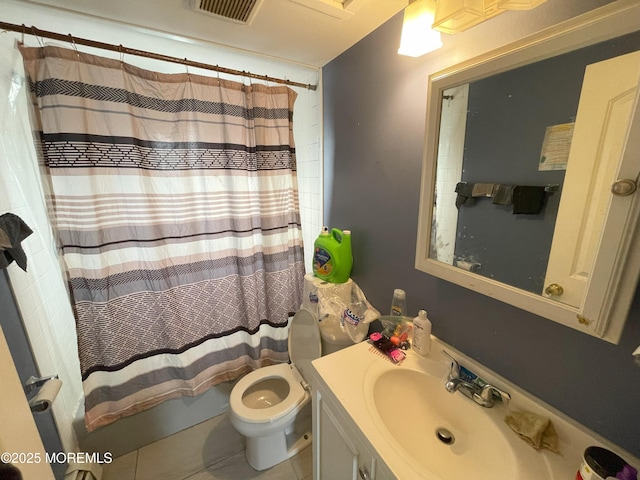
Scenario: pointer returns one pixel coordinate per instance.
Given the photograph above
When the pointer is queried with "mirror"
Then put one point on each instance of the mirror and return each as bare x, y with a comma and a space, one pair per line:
523, 147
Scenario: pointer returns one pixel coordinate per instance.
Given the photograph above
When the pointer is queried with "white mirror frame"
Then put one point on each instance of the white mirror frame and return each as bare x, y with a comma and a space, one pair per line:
605, 317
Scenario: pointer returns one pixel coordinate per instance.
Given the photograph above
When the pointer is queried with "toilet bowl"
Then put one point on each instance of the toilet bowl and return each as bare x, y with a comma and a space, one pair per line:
271, 406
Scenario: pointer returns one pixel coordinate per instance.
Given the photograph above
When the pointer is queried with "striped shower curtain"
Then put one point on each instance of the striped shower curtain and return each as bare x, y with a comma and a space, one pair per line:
174, 199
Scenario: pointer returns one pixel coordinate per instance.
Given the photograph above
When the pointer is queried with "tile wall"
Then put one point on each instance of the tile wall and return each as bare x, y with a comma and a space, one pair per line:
450, 161
307, 128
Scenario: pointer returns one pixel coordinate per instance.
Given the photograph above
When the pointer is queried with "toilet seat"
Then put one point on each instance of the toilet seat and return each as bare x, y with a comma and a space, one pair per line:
304, 347
260, 415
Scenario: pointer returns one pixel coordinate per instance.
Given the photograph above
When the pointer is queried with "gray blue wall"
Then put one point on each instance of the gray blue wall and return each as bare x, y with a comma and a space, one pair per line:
374, 120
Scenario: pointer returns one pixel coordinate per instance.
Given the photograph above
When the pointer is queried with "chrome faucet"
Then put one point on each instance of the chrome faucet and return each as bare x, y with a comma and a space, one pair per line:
455, 384
475, 388
487, 396
454, 371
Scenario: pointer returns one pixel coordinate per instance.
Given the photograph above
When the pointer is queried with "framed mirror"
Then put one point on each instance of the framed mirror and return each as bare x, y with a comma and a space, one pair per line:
531, 160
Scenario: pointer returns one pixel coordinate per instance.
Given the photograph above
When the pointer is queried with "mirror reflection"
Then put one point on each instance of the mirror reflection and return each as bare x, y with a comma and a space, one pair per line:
505, 144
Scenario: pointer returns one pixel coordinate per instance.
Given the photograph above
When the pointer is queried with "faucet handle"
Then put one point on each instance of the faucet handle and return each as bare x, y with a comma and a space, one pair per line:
486, 396
454, 371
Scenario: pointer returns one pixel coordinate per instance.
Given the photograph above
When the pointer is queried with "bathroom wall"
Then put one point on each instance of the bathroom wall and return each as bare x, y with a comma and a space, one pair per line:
41, 294
374, 121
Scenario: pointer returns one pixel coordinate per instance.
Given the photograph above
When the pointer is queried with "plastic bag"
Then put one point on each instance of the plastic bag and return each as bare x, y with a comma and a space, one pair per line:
349, 308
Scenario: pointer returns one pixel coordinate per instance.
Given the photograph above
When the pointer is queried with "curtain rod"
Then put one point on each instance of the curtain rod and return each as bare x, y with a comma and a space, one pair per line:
142, 53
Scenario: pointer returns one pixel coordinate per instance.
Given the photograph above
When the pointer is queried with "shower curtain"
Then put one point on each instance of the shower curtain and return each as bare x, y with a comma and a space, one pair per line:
174, 200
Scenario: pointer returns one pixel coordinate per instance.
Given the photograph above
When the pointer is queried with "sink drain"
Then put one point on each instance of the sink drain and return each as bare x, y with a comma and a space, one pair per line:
445, 436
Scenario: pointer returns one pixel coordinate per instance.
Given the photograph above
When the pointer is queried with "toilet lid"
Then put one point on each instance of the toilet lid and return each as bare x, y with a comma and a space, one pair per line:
304, 341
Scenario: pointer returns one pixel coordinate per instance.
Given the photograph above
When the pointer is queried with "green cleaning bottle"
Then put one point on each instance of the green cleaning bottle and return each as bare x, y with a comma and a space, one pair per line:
332, 258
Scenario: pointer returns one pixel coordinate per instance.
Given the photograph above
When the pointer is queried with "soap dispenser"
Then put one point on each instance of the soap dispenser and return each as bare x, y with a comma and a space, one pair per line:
422, 333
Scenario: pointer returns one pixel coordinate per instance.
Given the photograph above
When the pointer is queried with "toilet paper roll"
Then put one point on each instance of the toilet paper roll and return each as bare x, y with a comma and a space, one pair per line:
315, 288
45, 397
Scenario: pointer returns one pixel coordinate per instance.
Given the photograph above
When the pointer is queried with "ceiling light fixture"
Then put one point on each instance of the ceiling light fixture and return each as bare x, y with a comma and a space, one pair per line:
519, 4
454, 16
418, 37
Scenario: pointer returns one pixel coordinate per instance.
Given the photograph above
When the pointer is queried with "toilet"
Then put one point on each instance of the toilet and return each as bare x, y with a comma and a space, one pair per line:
333, 337
271, 406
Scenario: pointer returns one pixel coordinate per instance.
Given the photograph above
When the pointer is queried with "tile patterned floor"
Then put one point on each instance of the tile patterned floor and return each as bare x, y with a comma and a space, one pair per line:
211, 450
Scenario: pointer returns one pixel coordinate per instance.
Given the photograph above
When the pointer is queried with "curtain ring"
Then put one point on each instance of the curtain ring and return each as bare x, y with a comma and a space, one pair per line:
24, 27
246, 77
186, 66
121, 50
73, 43
35, 34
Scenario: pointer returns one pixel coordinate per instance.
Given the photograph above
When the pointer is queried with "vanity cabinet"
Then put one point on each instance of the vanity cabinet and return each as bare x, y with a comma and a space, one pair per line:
340, 450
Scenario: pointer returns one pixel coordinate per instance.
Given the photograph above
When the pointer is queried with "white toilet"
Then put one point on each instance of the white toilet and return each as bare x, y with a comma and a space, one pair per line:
271, 406
333, 337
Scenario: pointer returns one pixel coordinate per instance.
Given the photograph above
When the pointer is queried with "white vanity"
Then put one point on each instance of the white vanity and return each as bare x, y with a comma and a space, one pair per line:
373, 419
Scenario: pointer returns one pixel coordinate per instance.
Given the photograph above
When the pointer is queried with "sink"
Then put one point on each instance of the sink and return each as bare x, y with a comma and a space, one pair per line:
445, 433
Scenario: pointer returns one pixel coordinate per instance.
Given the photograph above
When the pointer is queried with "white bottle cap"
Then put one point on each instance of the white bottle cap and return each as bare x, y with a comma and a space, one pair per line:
399, 293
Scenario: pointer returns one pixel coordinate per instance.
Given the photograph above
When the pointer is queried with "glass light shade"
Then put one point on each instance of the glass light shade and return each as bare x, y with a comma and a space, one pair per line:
519, 4
417, 36
492, 8
453, 16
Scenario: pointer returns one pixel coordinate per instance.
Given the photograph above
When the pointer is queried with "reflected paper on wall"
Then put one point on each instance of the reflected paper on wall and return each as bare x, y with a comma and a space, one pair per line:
556, 146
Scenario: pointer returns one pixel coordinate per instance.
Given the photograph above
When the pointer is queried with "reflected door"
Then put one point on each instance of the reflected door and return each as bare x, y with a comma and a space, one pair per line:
607, 101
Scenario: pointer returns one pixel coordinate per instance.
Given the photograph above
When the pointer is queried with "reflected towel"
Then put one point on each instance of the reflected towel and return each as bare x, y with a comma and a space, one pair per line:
528, 199
503, 194
483, 190
537, 431
464, 191
14, 231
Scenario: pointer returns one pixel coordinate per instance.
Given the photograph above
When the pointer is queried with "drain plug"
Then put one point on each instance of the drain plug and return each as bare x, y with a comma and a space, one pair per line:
445, 436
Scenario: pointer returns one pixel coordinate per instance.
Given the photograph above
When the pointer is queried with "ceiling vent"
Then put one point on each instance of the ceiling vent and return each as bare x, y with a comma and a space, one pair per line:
238, 11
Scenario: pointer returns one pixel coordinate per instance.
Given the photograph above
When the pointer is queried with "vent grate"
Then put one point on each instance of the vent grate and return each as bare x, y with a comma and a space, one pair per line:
236, 10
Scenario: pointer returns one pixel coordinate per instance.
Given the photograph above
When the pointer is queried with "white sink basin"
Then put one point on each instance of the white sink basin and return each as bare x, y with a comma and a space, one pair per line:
412, 410
445, 433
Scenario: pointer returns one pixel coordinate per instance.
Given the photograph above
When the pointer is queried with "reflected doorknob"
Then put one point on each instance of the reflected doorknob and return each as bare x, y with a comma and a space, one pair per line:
364, 473
554, 290
624, 187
